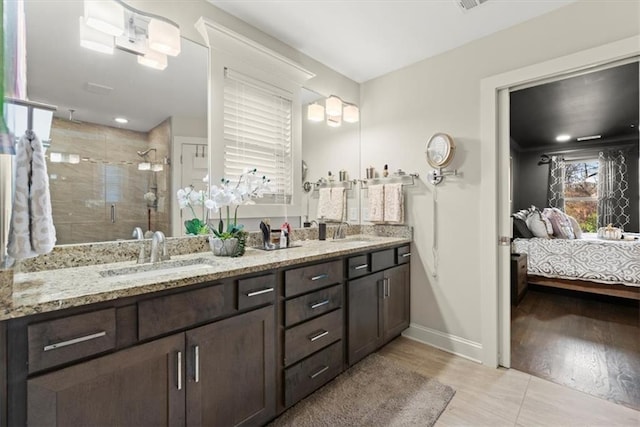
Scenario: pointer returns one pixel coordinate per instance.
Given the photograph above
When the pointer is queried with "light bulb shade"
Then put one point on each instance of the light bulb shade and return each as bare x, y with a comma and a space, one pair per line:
334, 121
104, 15
164, 37
94, 39
315, 112
74, 159
351, 114
334, 106
157, 167
153, 60
144, 166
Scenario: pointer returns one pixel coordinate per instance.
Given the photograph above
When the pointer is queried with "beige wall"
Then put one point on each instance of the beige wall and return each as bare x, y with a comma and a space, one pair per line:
401, 110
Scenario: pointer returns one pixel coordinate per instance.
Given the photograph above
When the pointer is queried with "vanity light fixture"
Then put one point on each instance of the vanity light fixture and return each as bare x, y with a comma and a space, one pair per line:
563, 137
336, 111
144, 166
112, 23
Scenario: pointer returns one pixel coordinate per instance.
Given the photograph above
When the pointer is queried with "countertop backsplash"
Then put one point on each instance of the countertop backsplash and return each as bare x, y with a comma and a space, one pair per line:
65, 256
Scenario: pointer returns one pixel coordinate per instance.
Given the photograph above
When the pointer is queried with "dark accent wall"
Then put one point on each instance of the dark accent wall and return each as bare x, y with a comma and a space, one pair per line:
530, 181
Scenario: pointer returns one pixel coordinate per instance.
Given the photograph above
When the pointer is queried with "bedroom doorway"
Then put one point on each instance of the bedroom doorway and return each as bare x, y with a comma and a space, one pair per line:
494, 185
596, 335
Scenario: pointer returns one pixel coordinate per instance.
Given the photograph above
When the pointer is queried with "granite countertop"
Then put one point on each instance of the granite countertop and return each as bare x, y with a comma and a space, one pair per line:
49, 290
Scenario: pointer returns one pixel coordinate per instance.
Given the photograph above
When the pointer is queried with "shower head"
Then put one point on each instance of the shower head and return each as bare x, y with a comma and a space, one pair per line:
145, 152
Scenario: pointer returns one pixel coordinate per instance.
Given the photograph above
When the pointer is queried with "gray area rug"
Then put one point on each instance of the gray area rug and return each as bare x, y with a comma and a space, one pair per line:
375, 392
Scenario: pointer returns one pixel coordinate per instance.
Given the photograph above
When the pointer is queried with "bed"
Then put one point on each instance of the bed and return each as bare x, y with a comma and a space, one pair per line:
589, 264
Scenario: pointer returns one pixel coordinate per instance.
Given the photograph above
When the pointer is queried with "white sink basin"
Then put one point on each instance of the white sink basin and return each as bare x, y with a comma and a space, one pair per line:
160, 268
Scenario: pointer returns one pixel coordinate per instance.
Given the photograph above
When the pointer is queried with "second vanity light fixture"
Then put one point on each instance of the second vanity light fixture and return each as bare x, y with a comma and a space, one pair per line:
108, 24
336, 111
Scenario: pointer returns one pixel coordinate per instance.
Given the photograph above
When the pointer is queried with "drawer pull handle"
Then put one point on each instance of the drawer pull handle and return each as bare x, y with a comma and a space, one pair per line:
320, 372
179, 367
361, 266
74, 341
320, 276
320, 335
319, 304
407, 255
260, 292
196, 363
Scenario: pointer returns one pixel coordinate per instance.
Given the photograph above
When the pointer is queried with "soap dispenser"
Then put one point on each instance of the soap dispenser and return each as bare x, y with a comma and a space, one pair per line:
322, 229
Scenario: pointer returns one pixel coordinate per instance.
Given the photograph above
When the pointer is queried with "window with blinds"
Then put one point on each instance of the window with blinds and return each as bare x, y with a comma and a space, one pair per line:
257, 134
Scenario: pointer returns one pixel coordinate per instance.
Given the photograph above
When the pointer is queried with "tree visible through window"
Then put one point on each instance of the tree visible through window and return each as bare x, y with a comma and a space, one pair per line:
581, 192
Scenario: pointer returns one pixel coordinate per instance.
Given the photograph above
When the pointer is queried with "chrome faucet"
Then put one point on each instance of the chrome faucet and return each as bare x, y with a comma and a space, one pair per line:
139, 235
340, 231
159, 239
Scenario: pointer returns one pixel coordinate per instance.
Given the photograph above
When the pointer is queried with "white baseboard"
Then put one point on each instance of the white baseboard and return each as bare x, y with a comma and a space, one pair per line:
450, 343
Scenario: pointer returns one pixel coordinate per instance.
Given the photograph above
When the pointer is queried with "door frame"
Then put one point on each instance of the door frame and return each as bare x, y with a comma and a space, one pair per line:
494, 183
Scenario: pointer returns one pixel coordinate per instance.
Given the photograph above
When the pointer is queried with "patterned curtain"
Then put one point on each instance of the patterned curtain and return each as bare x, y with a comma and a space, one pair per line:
555, 193
613, 188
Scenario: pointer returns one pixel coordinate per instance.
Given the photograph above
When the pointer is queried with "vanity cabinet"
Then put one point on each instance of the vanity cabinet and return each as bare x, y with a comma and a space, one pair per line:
378, 303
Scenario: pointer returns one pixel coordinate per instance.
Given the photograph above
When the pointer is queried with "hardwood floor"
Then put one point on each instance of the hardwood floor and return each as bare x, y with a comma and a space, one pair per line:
580, 341
505, 397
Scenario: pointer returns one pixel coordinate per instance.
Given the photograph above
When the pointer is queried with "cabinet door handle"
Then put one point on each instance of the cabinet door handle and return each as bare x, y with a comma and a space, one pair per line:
196, 363
179, 370
388, 279
321, 371
74, 341
407, 255
361, 266
320, 276
113, 214
260, 292
318, 336
319, 304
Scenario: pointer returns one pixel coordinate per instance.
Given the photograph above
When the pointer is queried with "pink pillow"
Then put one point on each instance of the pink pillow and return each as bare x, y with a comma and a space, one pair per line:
560, 223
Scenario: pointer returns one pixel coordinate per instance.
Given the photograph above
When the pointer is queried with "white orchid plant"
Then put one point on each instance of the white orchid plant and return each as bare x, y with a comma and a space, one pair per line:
224, 195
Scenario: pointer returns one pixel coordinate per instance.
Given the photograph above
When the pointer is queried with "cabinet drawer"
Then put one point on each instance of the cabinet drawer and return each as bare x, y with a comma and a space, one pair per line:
307, 376
302, 340
63, 340
403, 254
256, 291
359, 266
305, 279
160, 315
312, 305
383, 259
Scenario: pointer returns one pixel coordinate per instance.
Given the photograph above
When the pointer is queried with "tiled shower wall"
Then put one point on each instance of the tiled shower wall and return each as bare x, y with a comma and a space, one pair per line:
102, 197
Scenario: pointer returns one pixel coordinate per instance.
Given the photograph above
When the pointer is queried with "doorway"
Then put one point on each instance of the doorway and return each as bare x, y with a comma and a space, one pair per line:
495, 279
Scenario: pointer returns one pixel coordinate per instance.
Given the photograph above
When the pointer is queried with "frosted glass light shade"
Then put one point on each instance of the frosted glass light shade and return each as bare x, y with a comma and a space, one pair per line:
104, 15
144, 166
153, 60
334, 106
157, 167
74, 159
94, 39
164, 37
351, 113
55, 157
334, 121
315, 112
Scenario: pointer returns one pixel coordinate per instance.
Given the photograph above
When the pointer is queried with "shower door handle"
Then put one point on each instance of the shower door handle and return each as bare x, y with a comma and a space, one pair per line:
113, 213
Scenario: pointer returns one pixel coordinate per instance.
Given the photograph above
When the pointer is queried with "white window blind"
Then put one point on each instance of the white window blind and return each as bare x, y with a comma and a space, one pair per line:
257, 134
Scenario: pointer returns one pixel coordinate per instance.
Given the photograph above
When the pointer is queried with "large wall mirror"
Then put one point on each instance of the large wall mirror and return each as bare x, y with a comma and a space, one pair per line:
107, 177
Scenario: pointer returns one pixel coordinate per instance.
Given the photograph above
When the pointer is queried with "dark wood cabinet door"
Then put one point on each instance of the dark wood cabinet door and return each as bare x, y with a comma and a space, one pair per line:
396, 301
365, 320
231, 371
141, 386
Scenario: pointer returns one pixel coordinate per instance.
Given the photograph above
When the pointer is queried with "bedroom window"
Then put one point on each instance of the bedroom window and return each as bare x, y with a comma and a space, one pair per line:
581, 192
257, 134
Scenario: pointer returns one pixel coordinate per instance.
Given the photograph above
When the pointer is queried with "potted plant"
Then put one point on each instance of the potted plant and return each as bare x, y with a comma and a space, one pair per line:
190, 197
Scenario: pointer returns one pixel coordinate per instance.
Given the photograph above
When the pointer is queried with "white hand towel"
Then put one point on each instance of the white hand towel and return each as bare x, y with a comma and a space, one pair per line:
338, 202
393, 203
31, 231
376, 203
324, 202
43, 232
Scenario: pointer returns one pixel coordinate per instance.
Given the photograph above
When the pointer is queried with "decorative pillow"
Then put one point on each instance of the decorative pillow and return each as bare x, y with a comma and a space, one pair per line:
539, 225
577, 231
524, 213
520, 229
560, 223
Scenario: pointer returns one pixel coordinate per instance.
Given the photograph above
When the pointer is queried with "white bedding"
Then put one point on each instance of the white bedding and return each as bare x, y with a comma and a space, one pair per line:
589, 258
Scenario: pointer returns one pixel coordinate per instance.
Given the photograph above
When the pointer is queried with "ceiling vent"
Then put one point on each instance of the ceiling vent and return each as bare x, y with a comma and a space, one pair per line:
466, 5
